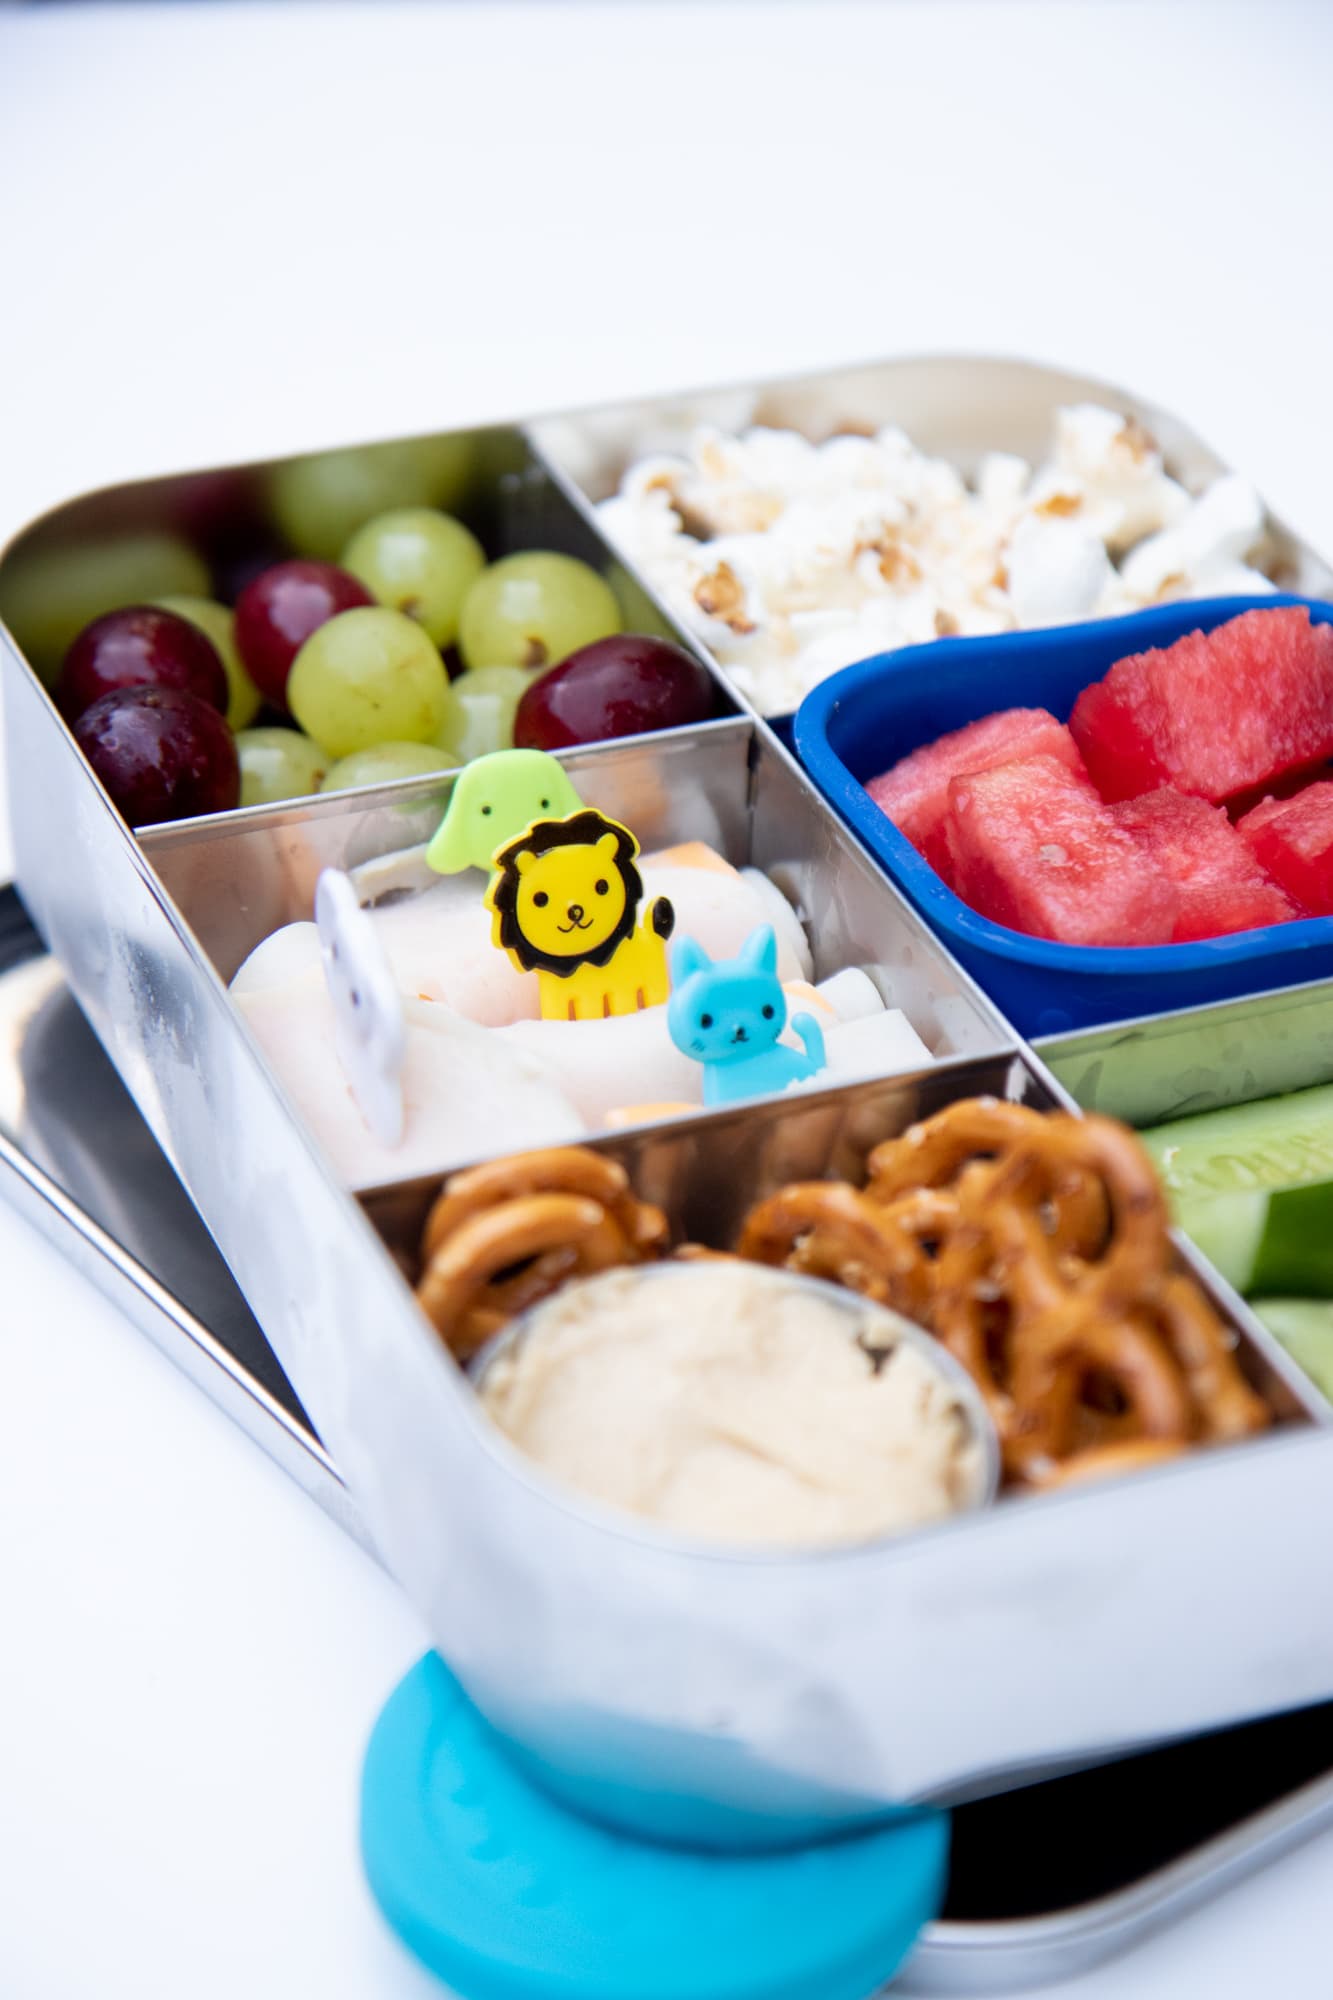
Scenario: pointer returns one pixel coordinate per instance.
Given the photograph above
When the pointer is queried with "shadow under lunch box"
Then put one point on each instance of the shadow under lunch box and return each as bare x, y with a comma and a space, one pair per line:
699, 1695
861, 721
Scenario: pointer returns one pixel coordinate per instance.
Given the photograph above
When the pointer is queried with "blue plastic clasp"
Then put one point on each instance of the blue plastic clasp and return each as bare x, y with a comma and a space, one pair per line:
510, 1896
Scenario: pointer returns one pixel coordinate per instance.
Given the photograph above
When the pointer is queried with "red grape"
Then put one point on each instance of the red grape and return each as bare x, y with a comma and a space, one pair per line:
138, 648
277, 612
161, 753
615, 687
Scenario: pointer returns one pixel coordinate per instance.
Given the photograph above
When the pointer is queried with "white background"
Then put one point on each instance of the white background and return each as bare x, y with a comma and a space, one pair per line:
234, 231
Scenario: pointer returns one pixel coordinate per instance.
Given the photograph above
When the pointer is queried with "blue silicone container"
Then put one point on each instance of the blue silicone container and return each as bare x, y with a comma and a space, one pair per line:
860, 721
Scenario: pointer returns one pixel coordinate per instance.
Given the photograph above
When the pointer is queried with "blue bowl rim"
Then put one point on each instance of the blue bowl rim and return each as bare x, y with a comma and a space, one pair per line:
948, 912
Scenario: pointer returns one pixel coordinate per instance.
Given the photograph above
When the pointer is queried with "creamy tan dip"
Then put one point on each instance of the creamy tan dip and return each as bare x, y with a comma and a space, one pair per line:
723, 1401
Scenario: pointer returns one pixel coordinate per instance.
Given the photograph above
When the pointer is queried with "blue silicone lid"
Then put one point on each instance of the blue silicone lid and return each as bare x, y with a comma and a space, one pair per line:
509, 1896
860, 721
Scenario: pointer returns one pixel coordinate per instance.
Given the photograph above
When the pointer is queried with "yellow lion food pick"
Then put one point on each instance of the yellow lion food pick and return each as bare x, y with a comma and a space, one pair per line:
564, 901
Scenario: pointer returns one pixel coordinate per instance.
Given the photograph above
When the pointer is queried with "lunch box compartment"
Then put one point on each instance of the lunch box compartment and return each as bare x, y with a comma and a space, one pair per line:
863, 720
706, 1173
171, 534
956, 407
238, 877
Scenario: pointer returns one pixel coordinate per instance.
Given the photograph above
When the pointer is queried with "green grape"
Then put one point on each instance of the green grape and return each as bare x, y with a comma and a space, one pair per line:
368, 676
320, 501
531, 610
48, 595
418, 561
480, 709
386, 762
638, 613
278, 764
218, 624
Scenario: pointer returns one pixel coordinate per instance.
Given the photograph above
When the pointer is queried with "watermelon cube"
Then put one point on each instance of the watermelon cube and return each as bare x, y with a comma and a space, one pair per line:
1215, 714
1292, 840
915, 793
1222, 887
1035, 848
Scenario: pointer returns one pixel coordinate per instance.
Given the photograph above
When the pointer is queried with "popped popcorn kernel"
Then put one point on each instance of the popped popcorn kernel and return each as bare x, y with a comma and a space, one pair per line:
790, 559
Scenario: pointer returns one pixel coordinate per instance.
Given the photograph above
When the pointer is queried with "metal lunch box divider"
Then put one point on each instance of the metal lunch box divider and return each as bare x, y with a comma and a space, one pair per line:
702, 1696
1173, 1063
860, 721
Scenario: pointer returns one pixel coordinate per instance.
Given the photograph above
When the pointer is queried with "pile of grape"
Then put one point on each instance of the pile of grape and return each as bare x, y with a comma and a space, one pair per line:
329, 675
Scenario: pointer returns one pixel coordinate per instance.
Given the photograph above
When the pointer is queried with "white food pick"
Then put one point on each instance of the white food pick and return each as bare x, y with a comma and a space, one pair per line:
369, 1030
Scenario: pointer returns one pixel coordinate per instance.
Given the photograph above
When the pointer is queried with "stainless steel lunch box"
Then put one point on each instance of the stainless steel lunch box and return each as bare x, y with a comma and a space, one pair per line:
696, 1696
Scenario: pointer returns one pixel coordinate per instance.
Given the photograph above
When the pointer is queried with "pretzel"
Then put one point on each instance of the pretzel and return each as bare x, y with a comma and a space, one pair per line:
1054, 1419
555, 1170
1110, 1461
973, 1318
1037, 1248
932, 1153
504, 1236
928, 1215
1045, 1268
825, 1229
1228, 1407
461, 1291
974, 1139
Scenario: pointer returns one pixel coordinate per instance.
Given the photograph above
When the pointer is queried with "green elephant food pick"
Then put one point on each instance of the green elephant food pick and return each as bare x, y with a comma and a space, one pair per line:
495, 798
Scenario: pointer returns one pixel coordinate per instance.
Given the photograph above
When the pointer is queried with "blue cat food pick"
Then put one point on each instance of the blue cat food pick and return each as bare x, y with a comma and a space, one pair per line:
728, 1014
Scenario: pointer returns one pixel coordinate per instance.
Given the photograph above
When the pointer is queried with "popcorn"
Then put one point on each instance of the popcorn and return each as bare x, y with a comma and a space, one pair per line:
1208, 542
1057, 571
1113, 470
789, 560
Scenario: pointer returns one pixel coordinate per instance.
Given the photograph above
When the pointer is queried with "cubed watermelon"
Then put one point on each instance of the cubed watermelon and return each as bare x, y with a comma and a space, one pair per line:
1034, 847
1222, 887
1292, 840
1285, 787
915, 793
1214, 714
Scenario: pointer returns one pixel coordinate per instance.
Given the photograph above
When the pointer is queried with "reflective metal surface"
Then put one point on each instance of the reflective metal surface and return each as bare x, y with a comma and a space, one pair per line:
1017, 1955
1200, 1059
78, 1162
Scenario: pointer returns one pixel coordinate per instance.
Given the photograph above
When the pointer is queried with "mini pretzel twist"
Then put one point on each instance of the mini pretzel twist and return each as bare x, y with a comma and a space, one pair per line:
825, 1229
1110, 1461
1037, 1248
973, 1140
933, 1153
1044, 1267
504, 1236
553, 1170
1228, 1406
1055, 1419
